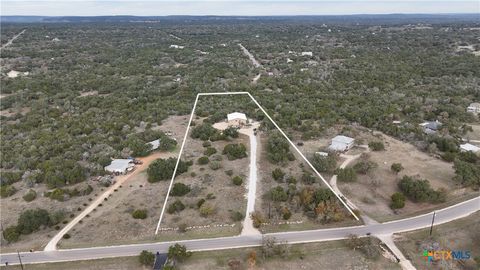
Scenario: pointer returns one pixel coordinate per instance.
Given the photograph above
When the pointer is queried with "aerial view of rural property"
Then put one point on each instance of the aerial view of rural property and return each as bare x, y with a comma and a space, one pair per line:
239, 135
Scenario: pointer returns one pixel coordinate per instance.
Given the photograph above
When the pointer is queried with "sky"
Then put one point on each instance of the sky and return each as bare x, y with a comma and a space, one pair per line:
231, 7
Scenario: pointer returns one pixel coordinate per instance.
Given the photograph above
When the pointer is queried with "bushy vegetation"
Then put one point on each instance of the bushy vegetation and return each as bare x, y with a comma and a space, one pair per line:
278, 175
210, 151
364, 166
203, 160
235, 151
139, 214
7, 191
376, 146
278, 148
179, 189
175, 207
419, 190
324, 164
146, 258
468, 174
237, 180
162, 169
31, 221
346, 175
396, 167
398, 200
278, 194
30, 195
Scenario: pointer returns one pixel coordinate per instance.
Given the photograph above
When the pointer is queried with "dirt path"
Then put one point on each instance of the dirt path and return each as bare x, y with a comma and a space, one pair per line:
248, 228
250, 56
13, 39
119, 180
333, 180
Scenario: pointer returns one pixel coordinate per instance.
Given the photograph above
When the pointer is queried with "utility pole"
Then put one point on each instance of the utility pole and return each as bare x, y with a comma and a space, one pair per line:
20, 259
433, 220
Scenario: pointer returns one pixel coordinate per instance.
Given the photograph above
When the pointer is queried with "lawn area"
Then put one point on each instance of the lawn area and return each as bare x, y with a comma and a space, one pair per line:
462, 234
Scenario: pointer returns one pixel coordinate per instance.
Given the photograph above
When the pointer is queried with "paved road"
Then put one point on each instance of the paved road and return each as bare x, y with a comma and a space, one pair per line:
444, 215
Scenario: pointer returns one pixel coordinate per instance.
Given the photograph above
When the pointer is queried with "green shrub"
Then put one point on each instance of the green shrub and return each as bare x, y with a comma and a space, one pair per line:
419, 190
398, 200
57, 194
206, 144
146, 258
236, 216
175, 207
396, 167
210, 151
364, 166
229, 172
203, 160
308, 178
278, 148
278, 175
237, 180
286, 214
139, 214
200, 203
30, 195
231, 132
66, 236
278, 194
179, 189
11, 234
7, 191
346, 175
215, 165
32, 220
162, 169
235, 151
324, 164
376, 146
206, 210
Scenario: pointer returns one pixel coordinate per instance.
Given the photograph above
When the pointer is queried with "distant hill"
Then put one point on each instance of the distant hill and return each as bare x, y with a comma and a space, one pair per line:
338, 19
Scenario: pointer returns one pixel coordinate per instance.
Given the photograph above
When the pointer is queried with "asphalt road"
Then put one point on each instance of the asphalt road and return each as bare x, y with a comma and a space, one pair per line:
444, 215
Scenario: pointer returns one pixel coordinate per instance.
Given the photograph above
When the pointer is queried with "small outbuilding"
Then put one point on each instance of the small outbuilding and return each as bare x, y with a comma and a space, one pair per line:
341, 143
469, 147
431, 127
236, 119
154, 144
120, 166
474, 108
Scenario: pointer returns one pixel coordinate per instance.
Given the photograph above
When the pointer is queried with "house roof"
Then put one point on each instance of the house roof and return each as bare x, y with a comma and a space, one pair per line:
342, 139
119, 165
474, 105
236, 115
469, 147
433, 125
155, 144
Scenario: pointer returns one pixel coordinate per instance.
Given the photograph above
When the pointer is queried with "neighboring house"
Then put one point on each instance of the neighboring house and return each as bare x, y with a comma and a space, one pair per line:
160, 261
307, 54
174, 46
236, 119
474, 108
154, 144
431, 127
341, 143
322, 154
120, 166
469, 147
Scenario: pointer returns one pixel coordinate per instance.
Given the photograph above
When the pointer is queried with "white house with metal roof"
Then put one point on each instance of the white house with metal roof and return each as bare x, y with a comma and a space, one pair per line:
474, 108
120, 166
341, 143
469, 147
236, 119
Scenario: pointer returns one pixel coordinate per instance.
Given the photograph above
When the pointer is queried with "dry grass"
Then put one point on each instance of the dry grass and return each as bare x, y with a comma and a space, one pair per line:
462, 234
11, 208
371, 193
204, 181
